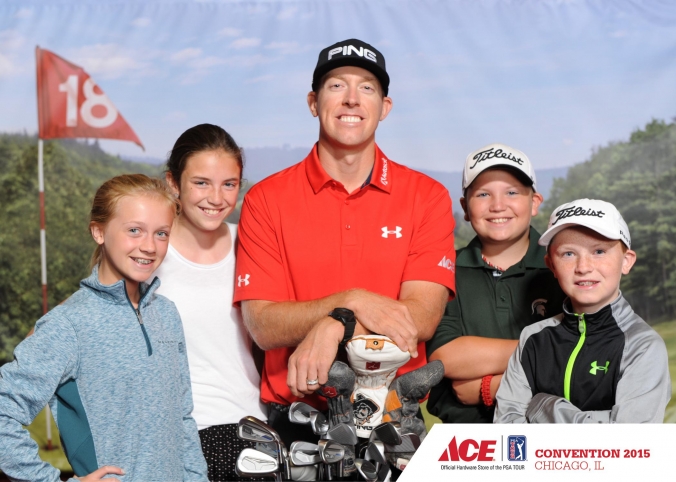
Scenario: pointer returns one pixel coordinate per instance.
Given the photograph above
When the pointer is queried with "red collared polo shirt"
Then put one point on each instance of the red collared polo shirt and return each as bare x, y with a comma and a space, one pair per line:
303, 237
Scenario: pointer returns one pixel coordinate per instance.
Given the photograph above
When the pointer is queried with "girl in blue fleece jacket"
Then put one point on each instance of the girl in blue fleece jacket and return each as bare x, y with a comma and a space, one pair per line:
111, 360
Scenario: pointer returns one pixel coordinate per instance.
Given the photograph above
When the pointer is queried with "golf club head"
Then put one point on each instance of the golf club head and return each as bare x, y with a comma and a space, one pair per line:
388, 433
343, 433
269, 448
252, 463
366, 469
375, 452
304, 453
331, 451
254, 430
299, 412
319, 423
384, 473
409, 443
306, 472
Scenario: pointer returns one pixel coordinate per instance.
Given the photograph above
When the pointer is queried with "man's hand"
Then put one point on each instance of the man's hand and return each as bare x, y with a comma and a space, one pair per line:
102, 472
384, 316
313, 357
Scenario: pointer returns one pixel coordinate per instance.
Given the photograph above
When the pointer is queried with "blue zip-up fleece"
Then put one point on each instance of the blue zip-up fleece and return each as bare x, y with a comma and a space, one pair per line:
117, 380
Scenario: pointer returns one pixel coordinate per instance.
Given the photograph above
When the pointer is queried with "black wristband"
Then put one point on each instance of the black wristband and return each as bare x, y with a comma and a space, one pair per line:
346, 317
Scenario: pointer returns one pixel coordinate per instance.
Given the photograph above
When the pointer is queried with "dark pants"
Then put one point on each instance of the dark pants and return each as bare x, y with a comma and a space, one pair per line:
221, 447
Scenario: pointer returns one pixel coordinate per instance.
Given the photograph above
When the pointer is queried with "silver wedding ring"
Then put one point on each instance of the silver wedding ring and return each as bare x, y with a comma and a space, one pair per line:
311, 382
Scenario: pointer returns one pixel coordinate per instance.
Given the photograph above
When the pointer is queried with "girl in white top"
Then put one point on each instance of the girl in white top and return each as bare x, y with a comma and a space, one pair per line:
204, 171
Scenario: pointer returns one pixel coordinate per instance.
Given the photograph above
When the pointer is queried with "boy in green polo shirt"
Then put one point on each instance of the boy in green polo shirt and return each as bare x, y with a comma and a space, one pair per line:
503, 285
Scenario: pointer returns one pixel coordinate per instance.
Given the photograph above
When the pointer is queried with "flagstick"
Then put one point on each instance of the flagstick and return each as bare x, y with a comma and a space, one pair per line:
43, 262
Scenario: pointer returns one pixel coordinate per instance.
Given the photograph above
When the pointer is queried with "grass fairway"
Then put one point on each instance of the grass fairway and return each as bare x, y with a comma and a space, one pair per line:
56, 457
668, 332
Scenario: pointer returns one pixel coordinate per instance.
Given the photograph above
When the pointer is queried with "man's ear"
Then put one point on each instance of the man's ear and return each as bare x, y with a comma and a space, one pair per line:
387, 107
97, 232
312, 103
463, 203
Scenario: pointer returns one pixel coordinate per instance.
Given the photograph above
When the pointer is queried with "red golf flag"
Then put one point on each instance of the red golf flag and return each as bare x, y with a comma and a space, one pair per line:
70, 104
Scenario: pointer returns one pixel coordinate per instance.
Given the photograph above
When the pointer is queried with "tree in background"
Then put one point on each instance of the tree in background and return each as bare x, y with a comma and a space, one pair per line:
639, 178
73, 171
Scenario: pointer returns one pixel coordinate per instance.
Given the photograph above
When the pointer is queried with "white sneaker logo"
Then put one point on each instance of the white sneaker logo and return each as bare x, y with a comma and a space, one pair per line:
396, 232
447, 263
244, 280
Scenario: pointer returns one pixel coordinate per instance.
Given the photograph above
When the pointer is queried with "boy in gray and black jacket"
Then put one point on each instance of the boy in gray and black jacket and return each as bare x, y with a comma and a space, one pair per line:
597, 362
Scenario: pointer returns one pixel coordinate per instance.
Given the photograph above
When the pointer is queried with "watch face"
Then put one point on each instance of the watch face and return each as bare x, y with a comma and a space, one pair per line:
343, 312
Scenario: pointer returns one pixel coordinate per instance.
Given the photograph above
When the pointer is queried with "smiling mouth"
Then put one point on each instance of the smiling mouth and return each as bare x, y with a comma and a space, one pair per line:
499, 220
350, 118
143, 261
211, 212
586, 283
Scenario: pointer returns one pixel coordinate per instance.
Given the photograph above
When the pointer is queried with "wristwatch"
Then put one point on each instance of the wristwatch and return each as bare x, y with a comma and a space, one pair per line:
346, 317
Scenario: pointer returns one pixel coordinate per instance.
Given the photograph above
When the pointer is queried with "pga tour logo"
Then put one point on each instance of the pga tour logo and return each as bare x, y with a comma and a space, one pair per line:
516, 448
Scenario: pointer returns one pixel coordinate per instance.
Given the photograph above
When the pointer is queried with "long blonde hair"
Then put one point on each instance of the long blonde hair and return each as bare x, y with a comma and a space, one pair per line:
110, 193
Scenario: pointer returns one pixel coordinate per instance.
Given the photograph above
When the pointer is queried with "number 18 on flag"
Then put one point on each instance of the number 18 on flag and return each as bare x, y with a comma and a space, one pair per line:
70, 104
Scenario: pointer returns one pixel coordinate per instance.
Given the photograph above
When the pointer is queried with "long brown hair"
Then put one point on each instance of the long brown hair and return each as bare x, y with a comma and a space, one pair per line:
110, 193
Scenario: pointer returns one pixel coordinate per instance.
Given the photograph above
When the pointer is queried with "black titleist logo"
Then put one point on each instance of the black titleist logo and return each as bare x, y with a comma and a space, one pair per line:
575, 211
491, 153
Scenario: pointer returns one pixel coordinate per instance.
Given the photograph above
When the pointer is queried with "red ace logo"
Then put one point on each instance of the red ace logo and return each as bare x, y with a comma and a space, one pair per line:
468, 451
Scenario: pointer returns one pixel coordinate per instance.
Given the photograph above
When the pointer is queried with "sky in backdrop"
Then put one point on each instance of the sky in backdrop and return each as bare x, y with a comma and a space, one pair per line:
554, 78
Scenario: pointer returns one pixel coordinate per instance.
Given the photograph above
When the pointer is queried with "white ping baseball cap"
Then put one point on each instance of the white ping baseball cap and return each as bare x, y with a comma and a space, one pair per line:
599, 216
494, 155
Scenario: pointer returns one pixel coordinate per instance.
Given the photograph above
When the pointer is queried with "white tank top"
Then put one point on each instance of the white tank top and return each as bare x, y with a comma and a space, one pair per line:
225, 382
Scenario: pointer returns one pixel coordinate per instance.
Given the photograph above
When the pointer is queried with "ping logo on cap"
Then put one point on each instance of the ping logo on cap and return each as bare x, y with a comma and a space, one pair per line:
350, 49
576, 211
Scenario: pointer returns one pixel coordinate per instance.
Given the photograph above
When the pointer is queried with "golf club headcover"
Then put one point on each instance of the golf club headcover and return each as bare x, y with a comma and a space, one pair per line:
399, 460
338, 390
375, 360
402, 403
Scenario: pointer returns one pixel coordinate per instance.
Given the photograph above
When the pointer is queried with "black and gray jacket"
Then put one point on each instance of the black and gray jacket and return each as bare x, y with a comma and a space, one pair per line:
605, 367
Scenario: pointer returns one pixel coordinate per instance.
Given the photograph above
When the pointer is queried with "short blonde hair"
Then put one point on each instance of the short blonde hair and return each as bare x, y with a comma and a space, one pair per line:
109, 194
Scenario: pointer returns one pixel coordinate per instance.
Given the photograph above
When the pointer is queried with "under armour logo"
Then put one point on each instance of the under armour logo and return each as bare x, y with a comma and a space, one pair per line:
596, 367
396, 232
244, 280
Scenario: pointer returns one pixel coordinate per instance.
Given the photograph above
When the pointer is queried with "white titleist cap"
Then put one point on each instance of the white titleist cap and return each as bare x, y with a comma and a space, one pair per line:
494, 155
600, 216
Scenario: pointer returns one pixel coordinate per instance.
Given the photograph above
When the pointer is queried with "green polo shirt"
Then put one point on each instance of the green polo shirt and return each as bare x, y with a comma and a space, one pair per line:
494, 306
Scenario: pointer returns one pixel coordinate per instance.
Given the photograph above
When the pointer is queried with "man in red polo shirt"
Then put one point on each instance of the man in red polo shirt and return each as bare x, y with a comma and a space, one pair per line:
346, 242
